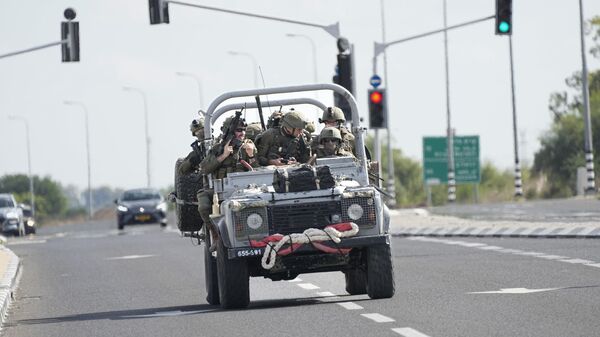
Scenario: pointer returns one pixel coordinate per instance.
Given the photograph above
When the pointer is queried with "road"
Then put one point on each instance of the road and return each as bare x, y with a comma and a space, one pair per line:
89, 280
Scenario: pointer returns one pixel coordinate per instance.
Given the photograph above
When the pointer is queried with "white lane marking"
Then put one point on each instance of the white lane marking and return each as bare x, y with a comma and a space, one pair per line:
531, 254
514, 291
597, 265
471, 244
490, 248
552, 257
577, 261
28, 242
350, 306
297, 279
378, 318
326, 294
308, 286
129, 257
409, 332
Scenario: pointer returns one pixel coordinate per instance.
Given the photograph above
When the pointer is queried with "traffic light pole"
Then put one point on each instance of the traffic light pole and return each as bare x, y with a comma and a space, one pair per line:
35, 48
589, 151
449, 133
518, 178
333, 30
391, 184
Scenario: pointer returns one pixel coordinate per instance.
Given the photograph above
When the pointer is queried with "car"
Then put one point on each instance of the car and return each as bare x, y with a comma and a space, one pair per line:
28, 220
11, 216
141, 205
336, 223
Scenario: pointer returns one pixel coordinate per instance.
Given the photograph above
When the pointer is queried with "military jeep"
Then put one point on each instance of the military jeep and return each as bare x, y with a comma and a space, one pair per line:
343, 228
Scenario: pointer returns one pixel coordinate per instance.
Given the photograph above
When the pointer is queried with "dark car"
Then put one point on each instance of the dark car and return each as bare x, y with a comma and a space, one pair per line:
142, 205
28, 220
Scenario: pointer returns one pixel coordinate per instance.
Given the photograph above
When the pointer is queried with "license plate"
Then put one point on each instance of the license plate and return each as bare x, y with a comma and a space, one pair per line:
249, 252
143, 217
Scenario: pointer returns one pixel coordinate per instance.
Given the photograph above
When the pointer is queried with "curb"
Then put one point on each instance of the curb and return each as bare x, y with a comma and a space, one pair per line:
513, 232
8, 283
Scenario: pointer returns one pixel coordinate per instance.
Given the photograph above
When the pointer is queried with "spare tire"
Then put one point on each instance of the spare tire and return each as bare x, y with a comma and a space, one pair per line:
186, 202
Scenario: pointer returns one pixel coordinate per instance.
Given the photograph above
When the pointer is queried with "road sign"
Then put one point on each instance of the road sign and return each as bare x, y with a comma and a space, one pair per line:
466, 160
375, 81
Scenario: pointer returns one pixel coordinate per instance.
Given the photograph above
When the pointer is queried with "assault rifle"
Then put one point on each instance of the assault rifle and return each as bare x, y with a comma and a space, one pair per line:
229, 134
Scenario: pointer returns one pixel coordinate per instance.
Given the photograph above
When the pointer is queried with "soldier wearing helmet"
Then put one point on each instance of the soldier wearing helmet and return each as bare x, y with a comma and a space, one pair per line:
253, 130
330, 143
286, 144
193, 159
334, 117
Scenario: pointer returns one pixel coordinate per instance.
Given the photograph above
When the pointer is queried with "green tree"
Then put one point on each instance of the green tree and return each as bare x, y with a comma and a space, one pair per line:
49, 198
562, 147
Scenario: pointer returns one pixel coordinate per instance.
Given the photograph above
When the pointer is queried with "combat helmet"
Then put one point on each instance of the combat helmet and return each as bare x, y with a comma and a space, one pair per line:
228, 120
197, 125
294, 120
252, 130
333, 113
330, 132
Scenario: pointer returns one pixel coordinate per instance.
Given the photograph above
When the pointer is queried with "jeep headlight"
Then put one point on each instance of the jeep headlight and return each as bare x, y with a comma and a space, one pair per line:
162, 206
355, 211
30, 222
122, 208
254, 221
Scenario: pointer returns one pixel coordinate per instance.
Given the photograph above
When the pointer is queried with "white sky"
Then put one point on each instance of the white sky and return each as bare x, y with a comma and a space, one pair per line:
120, 48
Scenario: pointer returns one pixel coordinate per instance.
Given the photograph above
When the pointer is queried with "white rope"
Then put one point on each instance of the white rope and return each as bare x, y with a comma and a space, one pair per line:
309, 235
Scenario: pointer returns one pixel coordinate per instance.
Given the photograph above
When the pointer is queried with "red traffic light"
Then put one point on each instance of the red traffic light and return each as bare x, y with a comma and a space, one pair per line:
376, 97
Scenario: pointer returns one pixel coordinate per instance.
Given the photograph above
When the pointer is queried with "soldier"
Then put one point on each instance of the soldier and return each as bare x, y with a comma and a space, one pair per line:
330, 144
286, 144
253, 130
232, 154
193, 159
334, 117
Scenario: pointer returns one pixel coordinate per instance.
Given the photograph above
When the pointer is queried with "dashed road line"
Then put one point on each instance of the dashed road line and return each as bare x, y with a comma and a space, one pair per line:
552, 257
129, 257
597, 265
350, 306
378, 318
297, 279
308, 286
409, 332
575, 261
326, 294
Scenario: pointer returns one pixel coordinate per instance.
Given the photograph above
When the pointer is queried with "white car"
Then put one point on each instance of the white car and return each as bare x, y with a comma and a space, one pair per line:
11, 216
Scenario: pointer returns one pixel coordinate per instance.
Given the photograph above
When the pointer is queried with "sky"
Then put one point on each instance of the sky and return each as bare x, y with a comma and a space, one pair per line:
120, 48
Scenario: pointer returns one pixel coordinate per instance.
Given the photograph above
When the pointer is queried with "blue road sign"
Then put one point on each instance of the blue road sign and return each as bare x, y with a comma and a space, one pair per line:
375, 81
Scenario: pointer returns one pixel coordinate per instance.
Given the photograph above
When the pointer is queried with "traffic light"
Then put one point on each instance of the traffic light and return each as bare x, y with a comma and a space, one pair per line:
69, 31
377, 109
344, 75
503, 17
159, 11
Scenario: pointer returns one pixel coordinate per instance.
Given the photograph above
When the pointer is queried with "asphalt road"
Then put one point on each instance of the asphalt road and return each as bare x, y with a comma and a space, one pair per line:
89, 280
553, 210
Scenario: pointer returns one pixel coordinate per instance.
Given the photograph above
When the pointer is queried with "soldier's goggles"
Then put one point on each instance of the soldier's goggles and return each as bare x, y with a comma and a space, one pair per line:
240, 129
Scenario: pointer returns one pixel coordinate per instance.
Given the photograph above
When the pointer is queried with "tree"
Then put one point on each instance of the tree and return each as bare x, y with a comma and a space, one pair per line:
49, 197
562, 147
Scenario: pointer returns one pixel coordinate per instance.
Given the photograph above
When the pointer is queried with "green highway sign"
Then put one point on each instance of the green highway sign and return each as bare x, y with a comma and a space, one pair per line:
466, 160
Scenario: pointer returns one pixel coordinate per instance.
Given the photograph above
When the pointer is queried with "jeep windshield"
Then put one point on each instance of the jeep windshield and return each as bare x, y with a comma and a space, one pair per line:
6, 203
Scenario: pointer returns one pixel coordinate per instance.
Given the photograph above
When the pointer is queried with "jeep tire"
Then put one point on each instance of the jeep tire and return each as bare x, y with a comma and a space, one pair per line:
210, 274
234, 280
356, 281
380, 272
186, 189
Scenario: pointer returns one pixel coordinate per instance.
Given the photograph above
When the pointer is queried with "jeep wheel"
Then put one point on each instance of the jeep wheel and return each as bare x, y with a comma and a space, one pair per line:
380, 272
234, 281
356, 281
210, 274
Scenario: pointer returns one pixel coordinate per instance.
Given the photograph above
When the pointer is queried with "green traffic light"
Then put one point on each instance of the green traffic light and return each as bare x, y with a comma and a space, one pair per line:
504, 27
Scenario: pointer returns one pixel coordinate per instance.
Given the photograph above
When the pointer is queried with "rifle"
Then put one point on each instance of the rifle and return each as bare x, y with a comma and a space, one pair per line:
260, 112
229, 133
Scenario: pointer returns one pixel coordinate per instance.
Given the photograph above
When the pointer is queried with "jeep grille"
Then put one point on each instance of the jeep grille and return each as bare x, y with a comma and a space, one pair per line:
296, 218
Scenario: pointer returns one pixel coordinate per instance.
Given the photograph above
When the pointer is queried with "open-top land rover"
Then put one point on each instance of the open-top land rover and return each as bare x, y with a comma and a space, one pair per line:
267, 232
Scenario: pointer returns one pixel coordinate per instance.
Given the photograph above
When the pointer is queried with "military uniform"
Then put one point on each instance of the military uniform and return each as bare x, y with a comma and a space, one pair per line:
193, 159
336, 114
330, 144
276, 143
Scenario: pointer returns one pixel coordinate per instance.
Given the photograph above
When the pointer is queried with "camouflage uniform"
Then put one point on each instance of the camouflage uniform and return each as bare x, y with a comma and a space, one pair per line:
336, 114
276, 143
253, 130
193, 159
330, 144
211, 165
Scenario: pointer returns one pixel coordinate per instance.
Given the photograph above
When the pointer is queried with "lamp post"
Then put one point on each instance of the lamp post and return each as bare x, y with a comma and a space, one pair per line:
314, 53
31, 192
254, 63
198, 82
139, 91
87, 146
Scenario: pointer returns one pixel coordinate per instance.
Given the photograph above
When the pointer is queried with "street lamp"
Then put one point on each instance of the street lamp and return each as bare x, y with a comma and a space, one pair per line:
314, 53
31, 192
139, 91
198, 81
87, 146
254, 63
